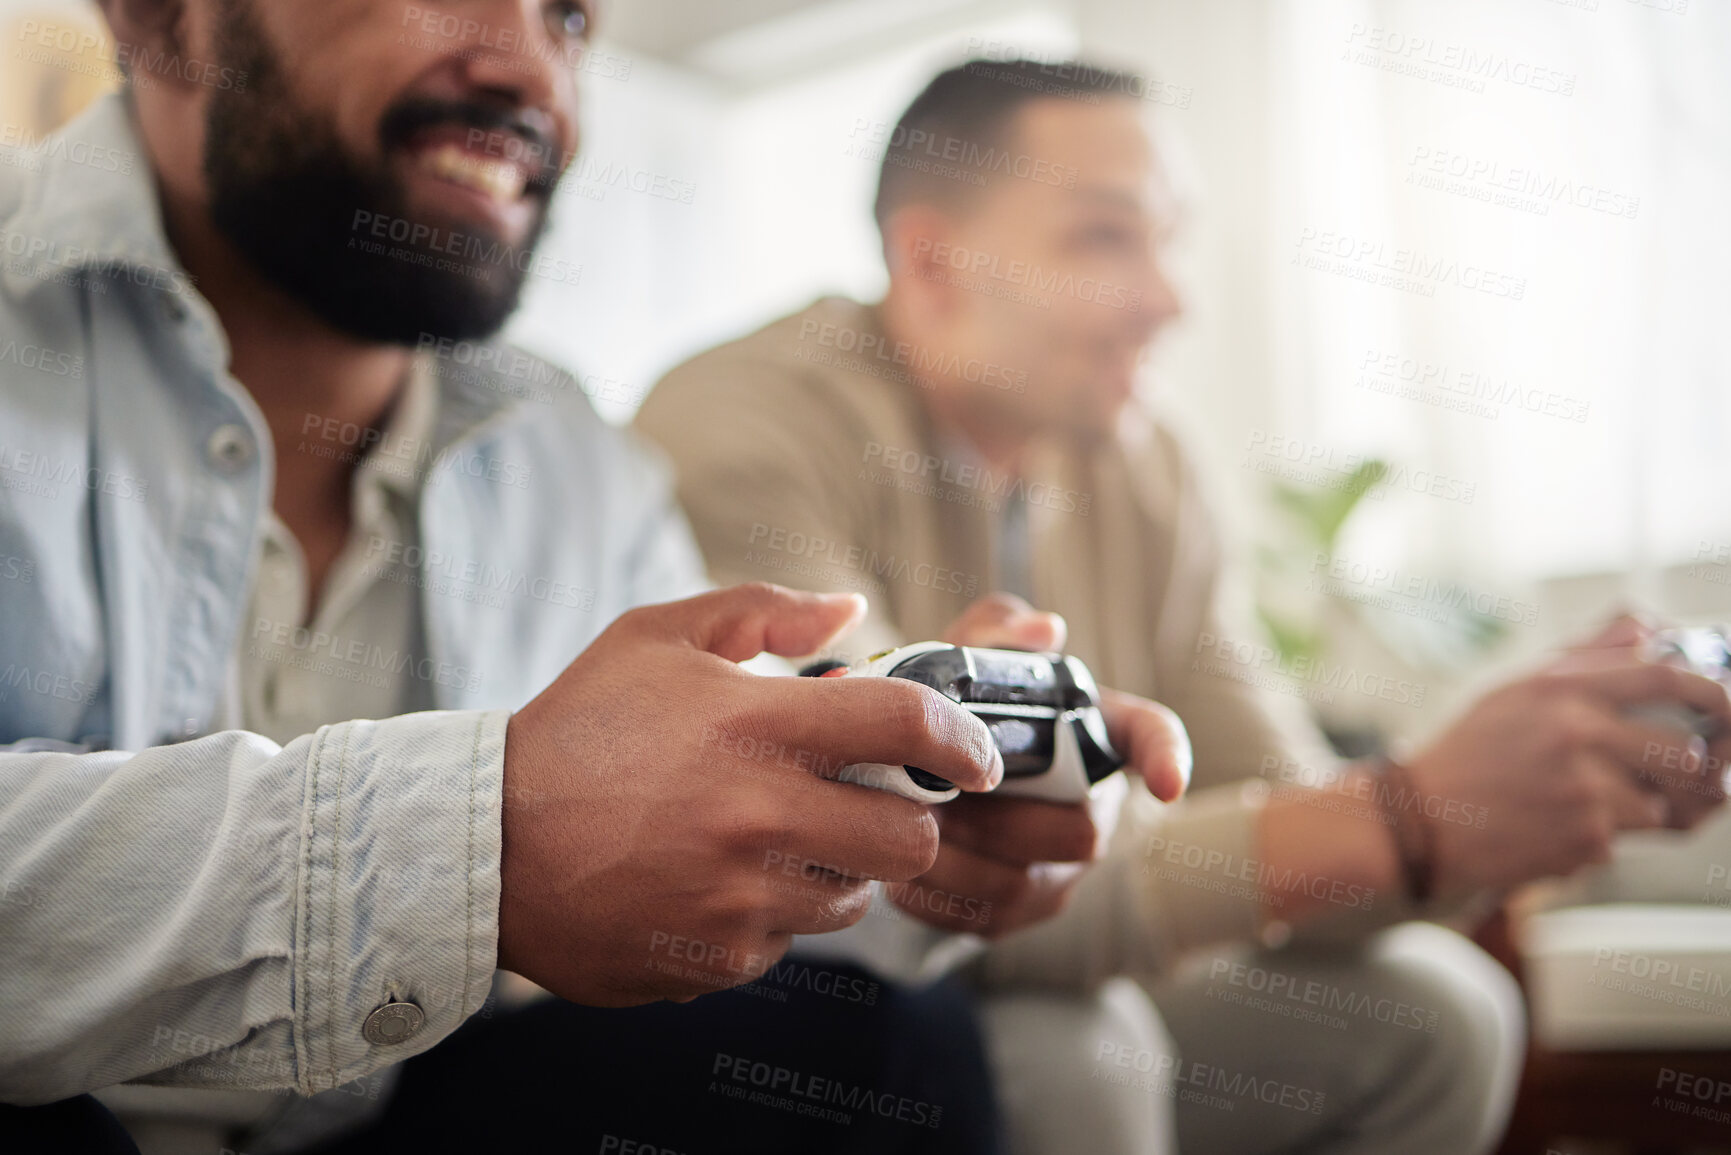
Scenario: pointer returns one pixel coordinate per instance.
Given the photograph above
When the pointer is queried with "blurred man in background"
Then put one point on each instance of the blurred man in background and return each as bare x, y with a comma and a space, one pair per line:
978, 429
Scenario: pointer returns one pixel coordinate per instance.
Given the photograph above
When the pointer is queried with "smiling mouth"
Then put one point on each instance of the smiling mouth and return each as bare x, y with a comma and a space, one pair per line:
500, 180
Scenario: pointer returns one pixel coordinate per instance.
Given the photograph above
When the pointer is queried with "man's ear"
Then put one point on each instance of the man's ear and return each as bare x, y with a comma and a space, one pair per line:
918, 249
146, 30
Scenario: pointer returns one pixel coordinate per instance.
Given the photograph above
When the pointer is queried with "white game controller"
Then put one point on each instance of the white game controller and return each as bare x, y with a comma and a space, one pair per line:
1043, 711
1704, 650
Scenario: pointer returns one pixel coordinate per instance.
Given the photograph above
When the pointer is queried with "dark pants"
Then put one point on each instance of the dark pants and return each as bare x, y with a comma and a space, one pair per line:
810, 1059
80, 1125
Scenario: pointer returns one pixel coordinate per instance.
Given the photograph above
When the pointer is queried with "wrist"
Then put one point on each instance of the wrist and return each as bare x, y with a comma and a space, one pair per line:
1412, 833
1336, 835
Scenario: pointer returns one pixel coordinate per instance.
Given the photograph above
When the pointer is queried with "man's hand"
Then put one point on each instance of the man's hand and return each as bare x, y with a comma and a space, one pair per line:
1546, 770
1006, 863
671, 788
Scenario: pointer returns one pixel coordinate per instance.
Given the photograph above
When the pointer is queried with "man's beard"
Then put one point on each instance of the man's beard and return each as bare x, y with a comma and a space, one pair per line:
337, 235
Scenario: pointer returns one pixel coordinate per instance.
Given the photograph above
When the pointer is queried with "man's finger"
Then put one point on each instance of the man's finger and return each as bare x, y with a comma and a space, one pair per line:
1650, 751
853, 832
888, 720
1004, 621
1631, 807
1151, 740
1623, 631
818, 907
968, 893
1019, 831
1641, 682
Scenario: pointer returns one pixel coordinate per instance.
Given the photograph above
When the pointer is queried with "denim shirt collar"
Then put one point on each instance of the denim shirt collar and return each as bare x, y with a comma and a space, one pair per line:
93, 204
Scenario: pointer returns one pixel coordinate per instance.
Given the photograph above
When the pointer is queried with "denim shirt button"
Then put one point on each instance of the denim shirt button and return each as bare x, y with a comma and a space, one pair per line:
229, 448
393, 1023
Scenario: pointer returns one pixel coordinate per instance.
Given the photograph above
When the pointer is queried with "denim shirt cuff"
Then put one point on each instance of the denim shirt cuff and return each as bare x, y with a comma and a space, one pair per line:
398, 893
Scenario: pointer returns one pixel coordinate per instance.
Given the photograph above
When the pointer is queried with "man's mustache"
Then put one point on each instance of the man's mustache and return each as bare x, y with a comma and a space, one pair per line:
535, 145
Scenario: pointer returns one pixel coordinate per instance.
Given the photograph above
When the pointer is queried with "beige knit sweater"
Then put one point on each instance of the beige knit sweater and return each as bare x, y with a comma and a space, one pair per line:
806, 457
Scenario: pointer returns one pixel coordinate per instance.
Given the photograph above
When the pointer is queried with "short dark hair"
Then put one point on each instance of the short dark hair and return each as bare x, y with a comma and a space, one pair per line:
954, 137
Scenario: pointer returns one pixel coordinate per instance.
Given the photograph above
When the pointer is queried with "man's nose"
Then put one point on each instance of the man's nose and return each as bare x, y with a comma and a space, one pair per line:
508, 49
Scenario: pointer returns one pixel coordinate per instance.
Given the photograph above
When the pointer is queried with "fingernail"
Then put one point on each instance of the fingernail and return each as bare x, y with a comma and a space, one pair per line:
1697, 753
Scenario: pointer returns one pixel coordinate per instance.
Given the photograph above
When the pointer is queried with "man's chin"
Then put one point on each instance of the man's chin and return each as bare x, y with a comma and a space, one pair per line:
1095, 419
405, 293
407, 273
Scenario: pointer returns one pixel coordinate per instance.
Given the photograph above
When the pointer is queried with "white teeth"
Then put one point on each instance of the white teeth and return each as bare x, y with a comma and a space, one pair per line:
501, 180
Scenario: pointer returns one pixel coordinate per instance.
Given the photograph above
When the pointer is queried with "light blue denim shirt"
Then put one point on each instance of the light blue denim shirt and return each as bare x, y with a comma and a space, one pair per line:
198, 906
